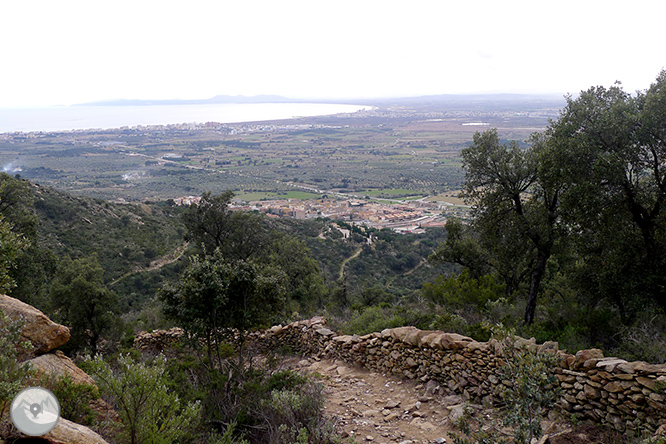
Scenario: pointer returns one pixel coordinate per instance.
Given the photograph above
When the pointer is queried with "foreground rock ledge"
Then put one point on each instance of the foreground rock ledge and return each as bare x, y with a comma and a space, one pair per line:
43, 333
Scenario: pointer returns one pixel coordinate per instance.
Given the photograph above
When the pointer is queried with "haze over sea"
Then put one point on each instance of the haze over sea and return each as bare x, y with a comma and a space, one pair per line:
65, 118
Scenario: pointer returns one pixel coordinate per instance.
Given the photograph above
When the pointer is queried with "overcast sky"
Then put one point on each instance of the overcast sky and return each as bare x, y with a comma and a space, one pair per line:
65, 52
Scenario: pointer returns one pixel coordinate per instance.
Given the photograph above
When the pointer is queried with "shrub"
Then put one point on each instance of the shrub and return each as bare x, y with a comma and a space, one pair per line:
533, 390
150, 413
12, 374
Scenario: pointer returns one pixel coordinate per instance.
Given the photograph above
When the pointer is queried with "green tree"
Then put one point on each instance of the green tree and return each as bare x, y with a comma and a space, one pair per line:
237, 234
11, 246
515, 207
217, 299
150, 414
609, 147
81, 300
16, 202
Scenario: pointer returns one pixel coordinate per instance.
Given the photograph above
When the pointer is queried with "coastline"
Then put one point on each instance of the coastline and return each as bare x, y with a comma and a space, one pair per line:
81, 118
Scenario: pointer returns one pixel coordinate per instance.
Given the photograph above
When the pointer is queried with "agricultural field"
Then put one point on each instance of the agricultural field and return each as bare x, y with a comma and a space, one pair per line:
396, 151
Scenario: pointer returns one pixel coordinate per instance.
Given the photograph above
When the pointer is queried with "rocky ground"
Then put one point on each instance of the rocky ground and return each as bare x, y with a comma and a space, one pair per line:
379, 408
371, 407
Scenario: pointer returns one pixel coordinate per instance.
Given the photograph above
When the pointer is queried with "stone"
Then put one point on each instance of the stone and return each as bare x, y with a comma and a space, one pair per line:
585, 355
391, 404
325, 332
549, 347
68, 432
59, 365
609, 364
646, 382
43, 333
591, 392
661, 431
414, 337
398, 333
432, 387
456, 412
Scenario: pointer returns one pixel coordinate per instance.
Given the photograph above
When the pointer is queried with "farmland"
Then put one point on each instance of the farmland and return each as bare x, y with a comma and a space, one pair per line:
398, 150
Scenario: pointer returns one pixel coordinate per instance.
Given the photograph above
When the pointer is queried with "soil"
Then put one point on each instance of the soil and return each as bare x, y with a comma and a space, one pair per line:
373, 407
379, 408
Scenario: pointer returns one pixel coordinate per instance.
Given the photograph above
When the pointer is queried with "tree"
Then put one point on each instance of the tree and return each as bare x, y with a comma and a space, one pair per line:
515, 206
217, 300
11, 247
81, 300
610, 149
150, 414
16, 205
237, 234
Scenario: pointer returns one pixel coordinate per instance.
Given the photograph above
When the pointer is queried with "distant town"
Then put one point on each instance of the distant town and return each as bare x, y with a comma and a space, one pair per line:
407, 217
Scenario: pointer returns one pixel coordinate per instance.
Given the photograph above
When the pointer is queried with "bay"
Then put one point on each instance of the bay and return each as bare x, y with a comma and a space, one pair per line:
66, 118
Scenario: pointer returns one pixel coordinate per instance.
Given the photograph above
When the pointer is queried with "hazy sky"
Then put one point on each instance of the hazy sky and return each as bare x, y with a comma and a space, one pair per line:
64, 52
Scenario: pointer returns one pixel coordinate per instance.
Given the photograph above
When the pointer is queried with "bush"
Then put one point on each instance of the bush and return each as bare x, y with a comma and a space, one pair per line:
12, 374
371, 319
74, 398
533, 390
150, 413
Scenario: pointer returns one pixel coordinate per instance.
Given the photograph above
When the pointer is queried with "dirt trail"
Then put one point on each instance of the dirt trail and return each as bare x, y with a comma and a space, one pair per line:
354, 256
372, 407
382, 409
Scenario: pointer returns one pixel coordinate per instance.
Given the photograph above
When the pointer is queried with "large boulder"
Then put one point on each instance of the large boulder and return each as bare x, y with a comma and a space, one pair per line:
59, 365
68, 432
43, 333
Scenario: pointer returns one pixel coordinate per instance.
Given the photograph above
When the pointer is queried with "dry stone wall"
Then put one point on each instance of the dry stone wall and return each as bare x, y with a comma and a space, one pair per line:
606, 390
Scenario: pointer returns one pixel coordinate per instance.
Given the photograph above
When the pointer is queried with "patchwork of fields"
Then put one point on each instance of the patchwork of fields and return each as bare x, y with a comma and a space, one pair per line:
392, 152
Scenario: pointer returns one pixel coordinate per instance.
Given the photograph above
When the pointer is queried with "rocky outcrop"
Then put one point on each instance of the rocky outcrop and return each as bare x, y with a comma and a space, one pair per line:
68, 432
59, 365
44, 334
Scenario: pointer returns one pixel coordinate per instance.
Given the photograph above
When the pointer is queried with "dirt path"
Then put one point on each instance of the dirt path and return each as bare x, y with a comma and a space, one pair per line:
342, 266
156, 264
372, 407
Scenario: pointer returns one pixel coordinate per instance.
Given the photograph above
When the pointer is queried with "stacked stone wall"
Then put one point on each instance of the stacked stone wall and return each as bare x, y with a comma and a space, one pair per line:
609, 391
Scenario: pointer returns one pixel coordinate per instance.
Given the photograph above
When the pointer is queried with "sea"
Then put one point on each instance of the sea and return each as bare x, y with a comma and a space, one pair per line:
67, 118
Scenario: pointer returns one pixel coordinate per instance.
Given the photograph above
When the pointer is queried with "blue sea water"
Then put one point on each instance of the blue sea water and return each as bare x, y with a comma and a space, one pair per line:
64, 118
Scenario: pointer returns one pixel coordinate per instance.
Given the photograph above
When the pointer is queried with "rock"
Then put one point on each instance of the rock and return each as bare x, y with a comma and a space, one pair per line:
457, 412
609, 364
68, 432
59, 365
399, 333
549, 347
432, 387
452, 400
391, 404
586, 355
44, 334
325, 331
